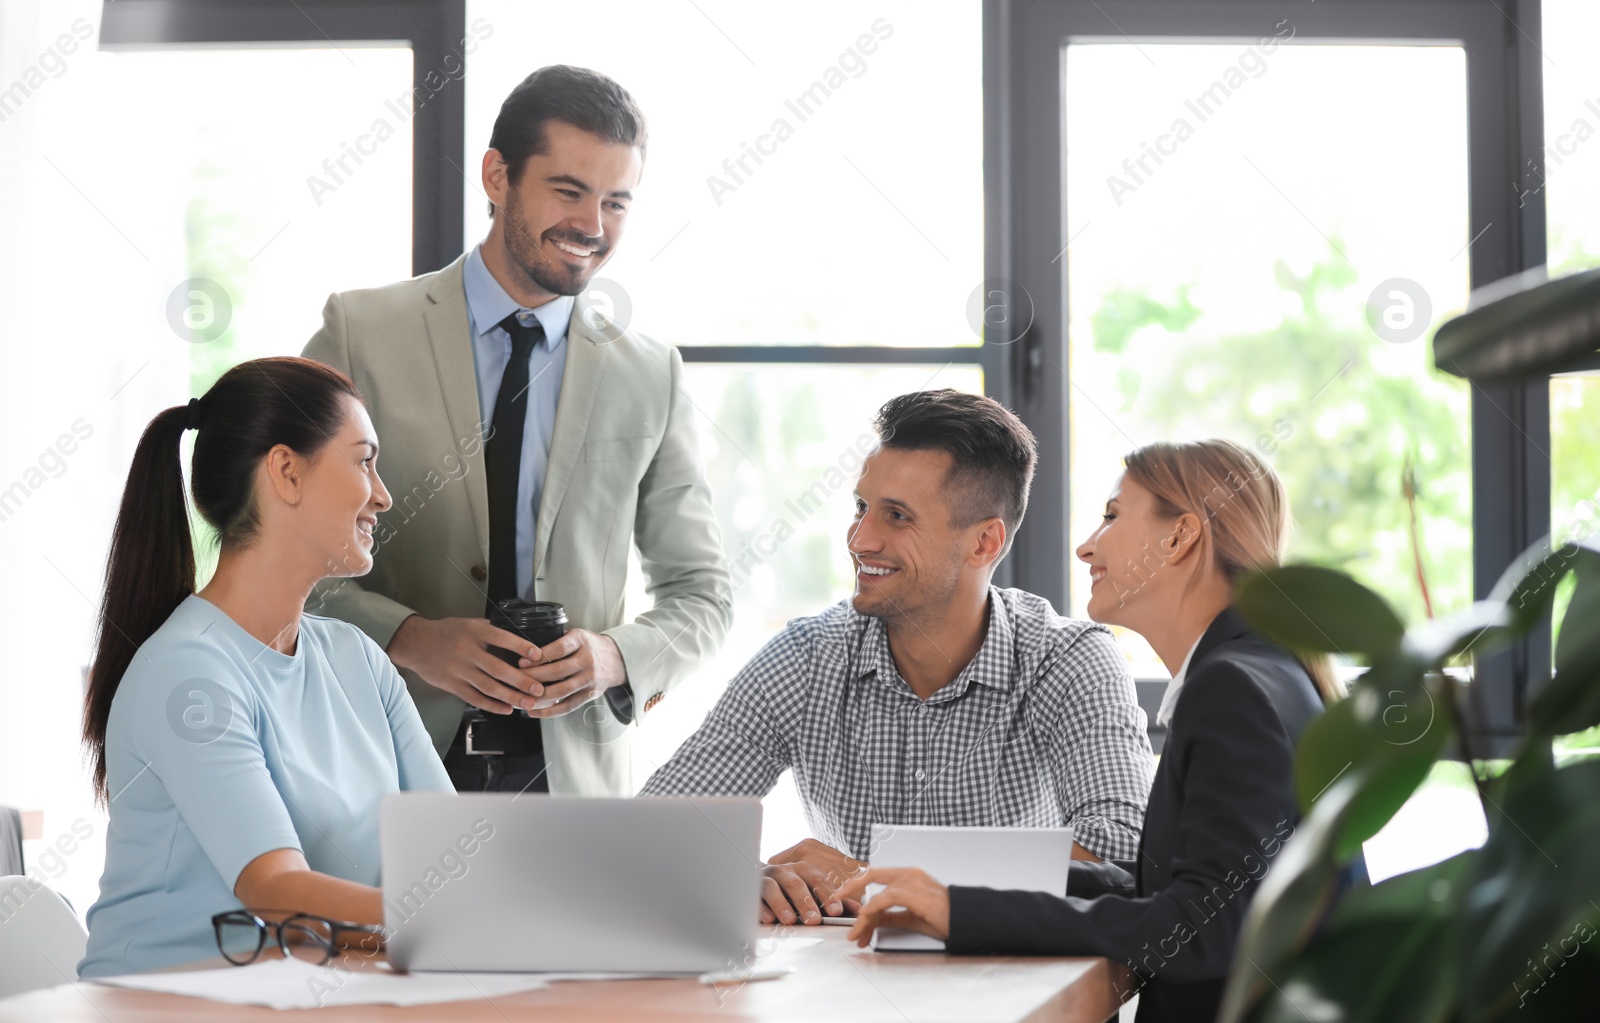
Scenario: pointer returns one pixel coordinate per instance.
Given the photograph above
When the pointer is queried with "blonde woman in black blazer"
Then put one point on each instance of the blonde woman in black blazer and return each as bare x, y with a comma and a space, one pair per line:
1182, 524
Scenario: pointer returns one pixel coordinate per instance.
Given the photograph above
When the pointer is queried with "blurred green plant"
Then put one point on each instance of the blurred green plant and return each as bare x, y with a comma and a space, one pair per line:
1485, 933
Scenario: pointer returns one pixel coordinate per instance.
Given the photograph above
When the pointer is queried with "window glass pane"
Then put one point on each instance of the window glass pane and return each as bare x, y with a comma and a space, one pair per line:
1571, 167
782, 446
811, 179
168, 214
281, 199
278, 197
1242, 265
1575, 456
1571, 164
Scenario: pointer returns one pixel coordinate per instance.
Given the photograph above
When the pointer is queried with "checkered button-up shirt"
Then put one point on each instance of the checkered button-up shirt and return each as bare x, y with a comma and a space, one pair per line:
1041, 729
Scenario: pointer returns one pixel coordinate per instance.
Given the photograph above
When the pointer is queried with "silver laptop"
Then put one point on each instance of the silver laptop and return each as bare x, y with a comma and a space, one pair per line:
1030, 859
497, 882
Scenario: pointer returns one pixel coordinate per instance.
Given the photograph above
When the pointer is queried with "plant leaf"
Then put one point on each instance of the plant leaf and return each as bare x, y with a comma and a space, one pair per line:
1535, 882
1307, 607
1387, 954
1437, 891
1528, 585
1392, 724
1480, 627
1293, 899
1393, 972
1570, 702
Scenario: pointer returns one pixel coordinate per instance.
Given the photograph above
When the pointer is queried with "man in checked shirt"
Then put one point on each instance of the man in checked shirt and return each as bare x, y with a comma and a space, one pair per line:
929, 697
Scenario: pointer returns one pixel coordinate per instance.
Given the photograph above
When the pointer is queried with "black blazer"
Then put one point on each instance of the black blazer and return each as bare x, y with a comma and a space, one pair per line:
1220, 809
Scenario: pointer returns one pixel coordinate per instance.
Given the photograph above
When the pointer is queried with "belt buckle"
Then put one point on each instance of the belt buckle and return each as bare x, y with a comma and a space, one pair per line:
473, 752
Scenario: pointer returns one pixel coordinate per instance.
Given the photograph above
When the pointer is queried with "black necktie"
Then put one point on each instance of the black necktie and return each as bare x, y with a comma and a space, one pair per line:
503, 459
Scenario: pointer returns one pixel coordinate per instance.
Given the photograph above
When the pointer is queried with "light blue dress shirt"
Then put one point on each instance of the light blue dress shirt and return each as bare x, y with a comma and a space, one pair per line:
488, 304
219, 749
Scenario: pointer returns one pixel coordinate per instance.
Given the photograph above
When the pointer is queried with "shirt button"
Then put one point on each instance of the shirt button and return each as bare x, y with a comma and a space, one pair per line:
919, 775
479, 573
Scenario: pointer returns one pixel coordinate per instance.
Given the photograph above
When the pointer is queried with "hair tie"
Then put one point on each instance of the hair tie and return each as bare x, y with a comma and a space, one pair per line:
191, 419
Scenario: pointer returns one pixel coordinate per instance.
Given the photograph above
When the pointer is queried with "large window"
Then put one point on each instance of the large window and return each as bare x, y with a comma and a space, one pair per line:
1217, 240
1565, 178
181, 193
1247, 220
207, 249
1240, 266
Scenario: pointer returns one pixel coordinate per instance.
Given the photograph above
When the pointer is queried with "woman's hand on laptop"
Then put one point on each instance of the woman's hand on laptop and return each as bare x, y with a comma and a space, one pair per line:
799, 883
910, 899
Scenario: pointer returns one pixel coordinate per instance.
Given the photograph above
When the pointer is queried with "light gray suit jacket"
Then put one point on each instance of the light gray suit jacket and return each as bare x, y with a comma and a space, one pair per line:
623, 469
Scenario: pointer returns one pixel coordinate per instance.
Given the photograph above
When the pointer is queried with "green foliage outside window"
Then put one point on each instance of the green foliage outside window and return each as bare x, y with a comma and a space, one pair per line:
1334, 408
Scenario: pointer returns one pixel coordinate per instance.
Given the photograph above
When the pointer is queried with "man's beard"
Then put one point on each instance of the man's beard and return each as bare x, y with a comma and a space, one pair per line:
555, 276
927, 601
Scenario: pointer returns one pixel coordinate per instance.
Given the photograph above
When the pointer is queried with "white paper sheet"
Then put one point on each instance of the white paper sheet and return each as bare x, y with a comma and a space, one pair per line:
771, 946
292, 984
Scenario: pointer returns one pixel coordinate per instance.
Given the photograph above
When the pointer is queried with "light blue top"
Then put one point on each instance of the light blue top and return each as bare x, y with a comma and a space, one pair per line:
220, 749
487, 305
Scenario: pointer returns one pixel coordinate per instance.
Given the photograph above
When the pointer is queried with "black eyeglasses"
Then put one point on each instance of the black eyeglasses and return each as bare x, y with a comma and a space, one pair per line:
242, 934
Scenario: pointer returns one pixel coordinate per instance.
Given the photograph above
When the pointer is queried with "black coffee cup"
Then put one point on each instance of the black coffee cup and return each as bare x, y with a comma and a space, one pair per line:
541, 623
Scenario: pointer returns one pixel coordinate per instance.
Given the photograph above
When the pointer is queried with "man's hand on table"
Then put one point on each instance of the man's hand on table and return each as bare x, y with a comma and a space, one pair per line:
799, 884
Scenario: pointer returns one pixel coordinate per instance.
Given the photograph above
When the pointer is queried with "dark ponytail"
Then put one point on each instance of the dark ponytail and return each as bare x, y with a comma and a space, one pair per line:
254, 407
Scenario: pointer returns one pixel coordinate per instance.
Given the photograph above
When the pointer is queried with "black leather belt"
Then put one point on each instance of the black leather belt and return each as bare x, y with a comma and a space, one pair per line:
492, 735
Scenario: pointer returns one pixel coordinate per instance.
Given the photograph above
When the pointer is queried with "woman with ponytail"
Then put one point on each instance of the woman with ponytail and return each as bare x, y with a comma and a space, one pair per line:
1183, 524
241, 745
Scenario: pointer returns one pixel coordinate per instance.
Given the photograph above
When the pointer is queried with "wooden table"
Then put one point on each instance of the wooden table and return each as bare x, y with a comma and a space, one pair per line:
834, 982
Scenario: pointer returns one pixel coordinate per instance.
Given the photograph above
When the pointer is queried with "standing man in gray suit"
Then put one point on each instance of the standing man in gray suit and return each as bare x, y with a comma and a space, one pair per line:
530, 441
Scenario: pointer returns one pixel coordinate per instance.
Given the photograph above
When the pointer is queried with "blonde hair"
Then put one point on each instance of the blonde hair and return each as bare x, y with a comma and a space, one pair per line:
1243, 511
